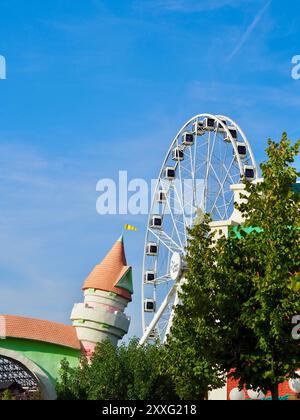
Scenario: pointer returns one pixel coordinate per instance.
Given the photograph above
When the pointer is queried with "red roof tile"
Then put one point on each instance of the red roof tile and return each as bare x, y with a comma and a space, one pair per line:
39, 330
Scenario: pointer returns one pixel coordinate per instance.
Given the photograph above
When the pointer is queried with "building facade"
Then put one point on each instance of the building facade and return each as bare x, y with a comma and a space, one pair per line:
31, 350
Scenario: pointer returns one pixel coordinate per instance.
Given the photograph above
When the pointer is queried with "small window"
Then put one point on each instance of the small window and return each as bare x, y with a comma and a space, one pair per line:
156, 222
188, 138
151, 249
242, 150
149, 276
149, 305
170, 173
249, 173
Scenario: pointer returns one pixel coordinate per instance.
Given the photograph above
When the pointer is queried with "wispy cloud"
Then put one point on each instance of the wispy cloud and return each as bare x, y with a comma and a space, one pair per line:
186, 6
249, 30
247, 95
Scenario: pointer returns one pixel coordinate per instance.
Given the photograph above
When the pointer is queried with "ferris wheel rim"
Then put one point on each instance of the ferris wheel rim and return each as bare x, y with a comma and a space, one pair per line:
244, 137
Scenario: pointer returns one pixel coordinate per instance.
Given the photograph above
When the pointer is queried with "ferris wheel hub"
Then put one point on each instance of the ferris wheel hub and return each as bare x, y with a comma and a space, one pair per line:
176, 266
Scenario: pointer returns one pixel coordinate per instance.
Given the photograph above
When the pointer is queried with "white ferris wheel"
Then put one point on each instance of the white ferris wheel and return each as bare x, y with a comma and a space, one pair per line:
208, 155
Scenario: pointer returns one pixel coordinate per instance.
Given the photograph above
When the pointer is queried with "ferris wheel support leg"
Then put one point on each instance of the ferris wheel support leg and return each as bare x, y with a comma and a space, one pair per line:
176, 303
171, 317
155, 320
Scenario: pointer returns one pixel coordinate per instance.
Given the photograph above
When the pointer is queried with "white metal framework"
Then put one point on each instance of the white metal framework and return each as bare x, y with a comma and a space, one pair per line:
208, 154
13, 371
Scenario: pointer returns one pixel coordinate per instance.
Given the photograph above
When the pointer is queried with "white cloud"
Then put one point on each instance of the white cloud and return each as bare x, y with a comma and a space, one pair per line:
249, 30
187, 6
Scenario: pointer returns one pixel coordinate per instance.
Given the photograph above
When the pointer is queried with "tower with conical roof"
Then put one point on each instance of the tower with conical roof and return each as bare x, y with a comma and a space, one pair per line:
107, 292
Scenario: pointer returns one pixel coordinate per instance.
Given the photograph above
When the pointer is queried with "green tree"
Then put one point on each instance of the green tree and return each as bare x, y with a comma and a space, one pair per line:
129, 372
7, 396
274, 255
241, 293
73, 383
192, 350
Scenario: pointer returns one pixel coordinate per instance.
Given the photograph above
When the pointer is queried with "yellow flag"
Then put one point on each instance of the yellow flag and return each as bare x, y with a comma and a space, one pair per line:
129, 227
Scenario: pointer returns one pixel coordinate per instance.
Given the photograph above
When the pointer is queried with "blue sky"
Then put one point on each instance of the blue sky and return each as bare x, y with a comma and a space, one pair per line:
94, 87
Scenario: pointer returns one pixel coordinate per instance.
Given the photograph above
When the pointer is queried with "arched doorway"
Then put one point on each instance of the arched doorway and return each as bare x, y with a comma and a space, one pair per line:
12, 371
17, 367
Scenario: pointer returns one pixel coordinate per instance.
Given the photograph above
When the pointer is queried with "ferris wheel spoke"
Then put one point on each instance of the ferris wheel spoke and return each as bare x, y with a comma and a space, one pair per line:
181, 167
223, 183
168, 242
225, 156
193, 195
182, 209
231, 179
217, 210
225, 207
221, 189
195, 147
173, 220
212, 149
230, 201
200, 166
171, 240
169, 255
158, 314
161, 279
181, 193
206, 172
230, 176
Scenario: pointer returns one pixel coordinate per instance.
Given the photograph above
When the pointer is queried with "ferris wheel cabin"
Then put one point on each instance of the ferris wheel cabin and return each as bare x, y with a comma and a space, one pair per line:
149, 305
198, 128
170, 173
249, 173
178, 154
242, 150
156, 222
219, 127
208, 124
151, 249
149, 276
161, 197
188, 138
234, 134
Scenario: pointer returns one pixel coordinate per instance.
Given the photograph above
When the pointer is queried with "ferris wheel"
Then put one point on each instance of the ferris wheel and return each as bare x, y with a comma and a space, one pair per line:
208, 155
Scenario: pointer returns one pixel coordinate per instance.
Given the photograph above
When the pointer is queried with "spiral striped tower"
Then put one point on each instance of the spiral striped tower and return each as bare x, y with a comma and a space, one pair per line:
107, 291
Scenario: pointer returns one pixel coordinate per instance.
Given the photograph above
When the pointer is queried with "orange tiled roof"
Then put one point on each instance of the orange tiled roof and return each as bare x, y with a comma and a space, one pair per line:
39, 330
105, 275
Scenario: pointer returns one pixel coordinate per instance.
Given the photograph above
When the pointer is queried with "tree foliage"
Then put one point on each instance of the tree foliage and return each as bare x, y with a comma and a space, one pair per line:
241, 294
129, 372
190, 353
7, 396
